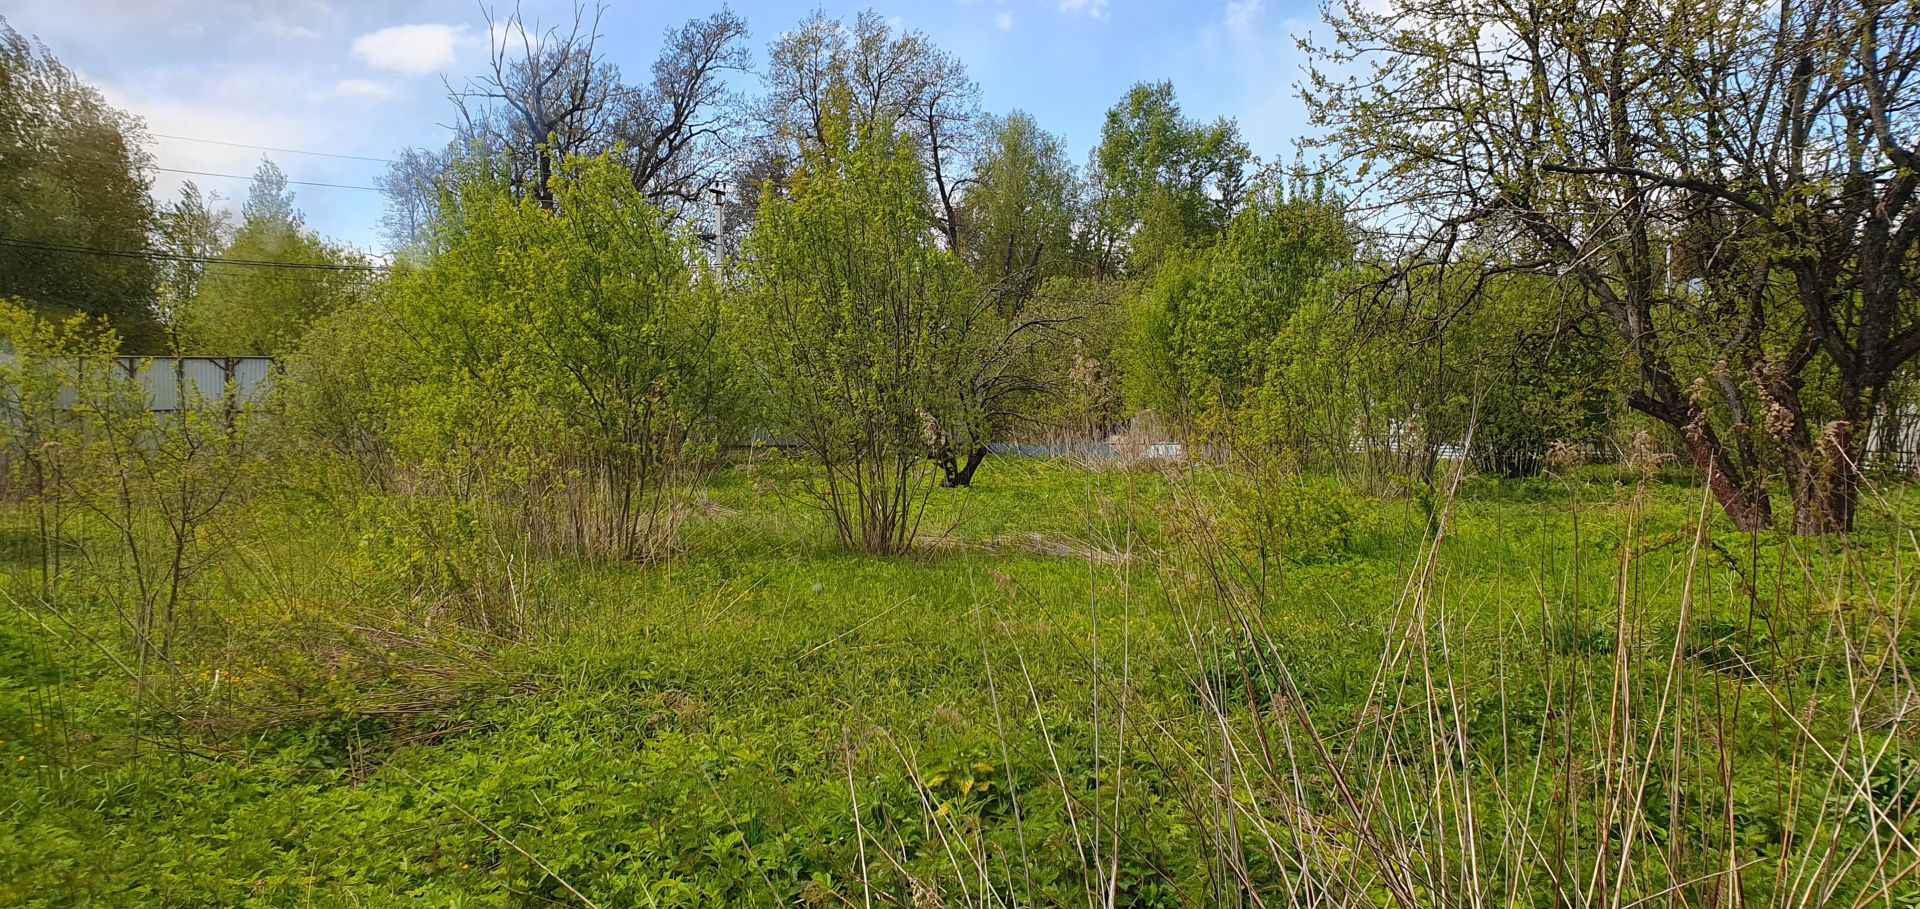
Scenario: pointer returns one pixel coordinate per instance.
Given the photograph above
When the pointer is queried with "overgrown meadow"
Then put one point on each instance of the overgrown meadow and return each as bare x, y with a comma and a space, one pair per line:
784, 483
1085, 688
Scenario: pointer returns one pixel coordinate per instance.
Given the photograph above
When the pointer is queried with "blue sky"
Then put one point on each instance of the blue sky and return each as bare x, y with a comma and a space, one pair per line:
356, 77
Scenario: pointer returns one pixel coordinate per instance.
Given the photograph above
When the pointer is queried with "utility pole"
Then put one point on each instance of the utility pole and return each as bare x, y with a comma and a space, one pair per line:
715, 236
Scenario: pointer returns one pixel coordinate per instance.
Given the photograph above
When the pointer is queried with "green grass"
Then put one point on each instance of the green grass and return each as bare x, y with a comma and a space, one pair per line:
1045, 677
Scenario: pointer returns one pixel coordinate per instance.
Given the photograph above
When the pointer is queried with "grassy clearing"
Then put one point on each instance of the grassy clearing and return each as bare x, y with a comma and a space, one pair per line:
1085, 690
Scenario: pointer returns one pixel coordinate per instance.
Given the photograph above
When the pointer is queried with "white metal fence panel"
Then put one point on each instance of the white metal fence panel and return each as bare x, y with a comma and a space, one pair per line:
252, 375
171, 382
1895, 438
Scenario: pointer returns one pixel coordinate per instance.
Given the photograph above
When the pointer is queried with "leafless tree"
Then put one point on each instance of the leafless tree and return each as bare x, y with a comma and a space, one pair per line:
900, 79
411, 185
550, 94
943, 113
547, 95
678, 130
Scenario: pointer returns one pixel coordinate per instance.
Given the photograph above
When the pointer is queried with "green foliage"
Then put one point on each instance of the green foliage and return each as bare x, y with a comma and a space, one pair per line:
861, 326
1081, 378
256, 309
87, 456
1174, 181
45, 360
566, 363
1204, 327
336, 384
1324, 386
1019, 213
1371, 382
1286, 516
1539, 380
350, 739
1501, 359
72, 174
195, 230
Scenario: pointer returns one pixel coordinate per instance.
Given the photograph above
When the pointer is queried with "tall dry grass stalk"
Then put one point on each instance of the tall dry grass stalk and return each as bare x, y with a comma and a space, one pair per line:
1639, 751
1676, 717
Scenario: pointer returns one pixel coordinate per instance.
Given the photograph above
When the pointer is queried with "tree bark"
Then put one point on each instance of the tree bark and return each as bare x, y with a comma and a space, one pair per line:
1745, 502
1742, 496
954, 474
1829, 496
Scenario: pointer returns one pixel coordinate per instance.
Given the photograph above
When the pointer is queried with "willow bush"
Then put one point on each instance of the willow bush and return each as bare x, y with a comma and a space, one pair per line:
123, 507
562, 365
857, 319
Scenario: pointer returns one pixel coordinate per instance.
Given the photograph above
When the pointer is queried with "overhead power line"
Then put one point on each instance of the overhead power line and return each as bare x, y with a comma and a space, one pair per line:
174, 257
203, 173
271, 148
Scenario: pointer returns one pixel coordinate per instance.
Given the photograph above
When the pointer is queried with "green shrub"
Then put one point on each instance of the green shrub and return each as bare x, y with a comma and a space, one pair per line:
1290, 517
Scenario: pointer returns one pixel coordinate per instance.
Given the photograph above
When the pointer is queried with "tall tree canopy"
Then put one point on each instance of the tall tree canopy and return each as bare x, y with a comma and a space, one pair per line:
899, 81
1732, 184
550, 95
74, 210
1019, 214
1204, 327
1162, 179
192, 230
277, 278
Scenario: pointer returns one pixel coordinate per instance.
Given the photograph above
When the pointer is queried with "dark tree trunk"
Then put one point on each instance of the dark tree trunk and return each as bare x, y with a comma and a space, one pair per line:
1745, 502
1740, 493
1824, 484
1828, 496
543, 178
954, 474
1821, 463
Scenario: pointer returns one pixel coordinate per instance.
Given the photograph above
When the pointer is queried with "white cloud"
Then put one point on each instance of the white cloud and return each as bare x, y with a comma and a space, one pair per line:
362, 88
280, 30
413, 50
508, 35
251, 72
1242, 14
1092, 9
1003, 21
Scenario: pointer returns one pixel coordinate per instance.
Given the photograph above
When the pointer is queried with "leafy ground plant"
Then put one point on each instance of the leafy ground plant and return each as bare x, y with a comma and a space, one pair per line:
1558, 692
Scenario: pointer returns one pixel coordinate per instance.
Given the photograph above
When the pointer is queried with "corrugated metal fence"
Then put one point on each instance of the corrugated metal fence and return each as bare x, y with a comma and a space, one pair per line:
169, 381
1894, 442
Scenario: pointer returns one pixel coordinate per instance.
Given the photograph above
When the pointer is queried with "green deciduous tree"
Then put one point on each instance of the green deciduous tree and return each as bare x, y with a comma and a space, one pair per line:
191, 230
1162, 180
1732, 185
1202, 327
565, 361
858, 315
279, 278
1018, 215
74, 211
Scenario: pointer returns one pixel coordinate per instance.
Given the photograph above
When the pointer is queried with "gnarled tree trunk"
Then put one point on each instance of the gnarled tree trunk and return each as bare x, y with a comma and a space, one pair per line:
954, 474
